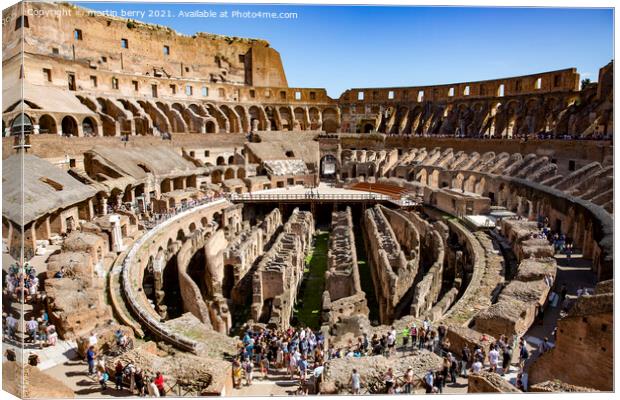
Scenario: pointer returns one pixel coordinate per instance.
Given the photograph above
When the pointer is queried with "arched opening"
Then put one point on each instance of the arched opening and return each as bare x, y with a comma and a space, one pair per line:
89, 127
231, 160
229, 280
329, 164
241, 173
172, 292
216, 176
367, 128
210, 127
220, 160
21, 124
196, 269
47, 124
229, 174
148, 282
69, 126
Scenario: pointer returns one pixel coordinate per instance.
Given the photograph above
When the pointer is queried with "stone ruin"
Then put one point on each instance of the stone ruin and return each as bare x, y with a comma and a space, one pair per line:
520, 300
584, 340
489, 382
393, 270
337, 372
285, 167
279, 272
343, 296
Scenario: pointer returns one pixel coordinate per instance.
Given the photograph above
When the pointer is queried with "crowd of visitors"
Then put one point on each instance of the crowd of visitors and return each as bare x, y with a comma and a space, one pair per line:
22, 285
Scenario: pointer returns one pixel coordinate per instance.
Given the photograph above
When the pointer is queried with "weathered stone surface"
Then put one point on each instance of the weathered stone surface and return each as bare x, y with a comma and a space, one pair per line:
338, 371
489, 382
582, 352
556, 386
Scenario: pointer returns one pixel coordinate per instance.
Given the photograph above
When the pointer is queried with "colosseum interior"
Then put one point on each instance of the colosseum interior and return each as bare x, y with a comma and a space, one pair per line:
175, 189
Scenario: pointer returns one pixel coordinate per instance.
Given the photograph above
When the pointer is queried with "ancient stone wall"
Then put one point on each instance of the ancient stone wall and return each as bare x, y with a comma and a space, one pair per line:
280, 271
393, 270
343, 295
520, 300
582, 353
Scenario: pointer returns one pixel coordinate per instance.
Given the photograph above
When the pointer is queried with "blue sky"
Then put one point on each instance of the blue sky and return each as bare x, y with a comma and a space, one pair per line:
341, 47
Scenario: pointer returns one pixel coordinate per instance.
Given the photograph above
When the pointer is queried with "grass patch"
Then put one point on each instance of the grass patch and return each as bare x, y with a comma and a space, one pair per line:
308, 310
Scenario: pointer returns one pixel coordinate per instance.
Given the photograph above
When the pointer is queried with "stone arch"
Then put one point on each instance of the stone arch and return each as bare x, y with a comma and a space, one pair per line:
300, 117
229, 174
470, 184
331, 120
480, 186
315, 118
69, 126
89, 126
233, 118
192, 227
243, 116
257, 118
286, 119
216, 176
457, 181
433, 179
210, 126
422, 176
47, 124
329, 166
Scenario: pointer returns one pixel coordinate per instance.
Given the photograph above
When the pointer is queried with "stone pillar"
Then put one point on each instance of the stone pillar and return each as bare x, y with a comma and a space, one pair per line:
104, 205
91, 209
117, 237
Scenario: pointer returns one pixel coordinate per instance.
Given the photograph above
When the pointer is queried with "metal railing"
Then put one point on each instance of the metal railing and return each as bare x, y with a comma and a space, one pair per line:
308, 196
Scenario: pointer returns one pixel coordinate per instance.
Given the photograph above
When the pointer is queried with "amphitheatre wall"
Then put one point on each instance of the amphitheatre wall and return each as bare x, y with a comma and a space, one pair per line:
279, 273
586, 335
393, 271
343, 296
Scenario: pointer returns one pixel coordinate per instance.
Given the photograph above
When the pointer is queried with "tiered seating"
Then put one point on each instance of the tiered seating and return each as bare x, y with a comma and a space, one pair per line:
395, 192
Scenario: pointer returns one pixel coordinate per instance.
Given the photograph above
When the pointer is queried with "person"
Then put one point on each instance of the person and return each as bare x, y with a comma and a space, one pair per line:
249, 372
523, 355
355, 381
453, 367
476, 366
118, 375
90, 358
465, 357
391, 341
139, 381
102, 377
237, 371
92, 339
414, 336
440, 380
405, 333
42, 333
264, 367
11, 326
507, 358
408, 379
429, 381
31, 328
159, 382
388, 378
493, 359
152, 388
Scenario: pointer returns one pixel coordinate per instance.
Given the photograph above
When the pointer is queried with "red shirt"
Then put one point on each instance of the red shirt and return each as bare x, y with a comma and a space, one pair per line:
159, 381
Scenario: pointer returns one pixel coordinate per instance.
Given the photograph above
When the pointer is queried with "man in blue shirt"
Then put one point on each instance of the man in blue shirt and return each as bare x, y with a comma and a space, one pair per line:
90, 358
